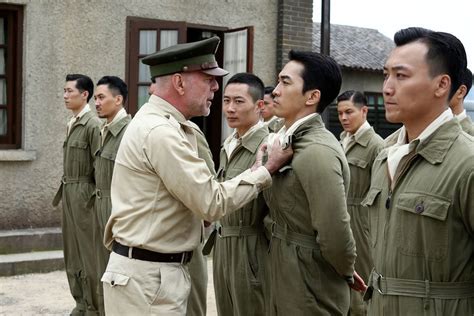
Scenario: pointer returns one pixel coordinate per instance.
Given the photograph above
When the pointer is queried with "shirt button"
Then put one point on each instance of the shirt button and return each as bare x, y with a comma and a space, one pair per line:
112, 282
419, 208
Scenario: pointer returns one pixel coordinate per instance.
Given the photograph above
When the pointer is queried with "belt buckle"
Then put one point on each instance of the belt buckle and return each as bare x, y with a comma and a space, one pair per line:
63, 179
379, 283
219, 230
184, 257
98, 193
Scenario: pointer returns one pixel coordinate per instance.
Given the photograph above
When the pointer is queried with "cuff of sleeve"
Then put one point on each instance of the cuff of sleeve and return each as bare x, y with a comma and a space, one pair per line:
259, 177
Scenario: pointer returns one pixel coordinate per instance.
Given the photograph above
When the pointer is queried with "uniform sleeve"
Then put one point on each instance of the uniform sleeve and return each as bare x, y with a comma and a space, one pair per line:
188, 179
94, 139
466, 200
321, 176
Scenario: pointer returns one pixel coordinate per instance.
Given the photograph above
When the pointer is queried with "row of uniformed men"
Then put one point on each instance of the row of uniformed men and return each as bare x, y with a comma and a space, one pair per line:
308, 222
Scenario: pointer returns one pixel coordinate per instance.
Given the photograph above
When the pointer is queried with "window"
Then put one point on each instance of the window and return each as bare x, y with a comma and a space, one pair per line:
11, 34
146, 36
376, 117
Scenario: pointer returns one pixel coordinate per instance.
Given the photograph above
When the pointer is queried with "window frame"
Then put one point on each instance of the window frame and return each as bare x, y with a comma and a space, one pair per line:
13, 15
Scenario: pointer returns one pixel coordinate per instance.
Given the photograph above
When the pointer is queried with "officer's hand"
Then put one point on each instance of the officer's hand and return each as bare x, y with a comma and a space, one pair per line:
359, 284
277, 156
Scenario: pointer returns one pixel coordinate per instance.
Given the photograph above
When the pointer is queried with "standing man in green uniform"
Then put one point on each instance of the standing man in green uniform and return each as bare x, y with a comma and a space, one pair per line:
77, 186
110, 95
361, 145
457, 102
162, 189
240, 282
421, 206
312, 250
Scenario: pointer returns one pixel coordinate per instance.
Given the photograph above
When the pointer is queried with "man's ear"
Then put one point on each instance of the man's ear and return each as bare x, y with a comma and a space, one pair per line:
118, 99
443, 85
313, 97
178, 83
85, 94
260, 106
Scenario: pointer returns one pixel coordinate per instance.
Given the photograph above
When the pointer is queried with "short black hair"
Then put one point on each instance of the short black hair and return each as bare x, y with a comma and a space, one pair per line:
467, 80
83, 83
254, 83
269, 90
357, 97
320, 72
116, 85
446, 53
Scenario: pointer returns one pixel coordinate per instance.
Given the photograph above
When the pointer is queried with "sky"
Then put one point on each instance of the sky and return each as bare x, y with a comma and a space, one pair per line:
452, 16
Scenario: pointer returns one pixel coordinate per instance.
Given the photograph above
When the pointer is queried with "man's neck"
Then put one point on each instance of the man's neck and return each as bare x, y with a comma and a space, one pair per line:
76, 112
243, 130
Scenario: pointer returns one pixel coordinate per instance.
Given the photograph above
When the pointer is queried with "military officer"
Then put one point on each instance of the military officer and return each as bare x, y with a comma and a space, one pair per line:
77, 186
421, 210
312, 249
110, 94
161, 189
361, 145
457, 103
239, 258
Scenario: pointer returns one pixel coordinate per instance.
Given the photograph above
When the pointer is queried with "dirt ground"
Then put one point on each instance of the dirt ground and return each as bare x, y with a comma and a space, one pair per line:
48, 294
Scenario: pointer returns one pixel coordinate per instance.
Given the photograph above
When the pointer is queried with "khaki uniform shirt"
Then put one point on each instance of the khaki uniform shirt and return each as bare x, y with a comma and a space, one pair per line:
423, 229
161, 189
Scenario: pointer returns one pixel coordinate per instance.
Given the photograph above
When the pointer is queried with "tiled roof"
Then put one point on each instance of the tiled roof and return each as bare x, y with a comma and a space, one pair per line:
355, 47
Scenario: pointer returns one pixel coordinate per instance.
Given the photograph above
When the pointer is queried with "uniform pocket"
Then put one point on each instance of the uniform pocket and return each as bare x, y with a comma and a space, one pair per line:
78, 150
361, 163
284, 178
115, 279
423, 231
373, 213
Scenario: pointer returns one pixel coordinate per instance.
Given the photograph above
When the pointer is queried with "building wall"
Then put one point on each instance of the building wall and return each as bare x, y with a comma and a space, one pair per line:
362, 81
85, 36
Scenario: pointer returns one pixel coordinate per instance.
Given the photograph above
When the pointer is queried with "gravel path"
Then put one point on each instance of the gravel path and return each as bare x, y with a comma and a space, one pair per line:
48, 294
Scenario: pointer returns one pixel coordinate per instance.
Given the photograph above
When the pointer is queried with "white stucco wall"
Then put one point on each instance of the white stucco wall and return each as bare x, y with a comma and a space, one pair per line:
88, 36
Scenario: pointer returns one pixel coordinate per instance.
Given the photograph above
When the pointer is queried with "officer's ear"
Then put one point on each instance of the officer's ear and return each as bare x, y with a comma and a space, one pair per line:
178, 83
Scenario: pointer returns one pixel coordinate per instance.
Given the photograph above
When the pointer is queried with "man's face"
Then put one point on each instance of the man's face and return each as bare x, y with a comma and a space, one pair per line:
351, 116
73, 98
289, 99
106, 104
239, 108
199, 92
267, 110
408, 88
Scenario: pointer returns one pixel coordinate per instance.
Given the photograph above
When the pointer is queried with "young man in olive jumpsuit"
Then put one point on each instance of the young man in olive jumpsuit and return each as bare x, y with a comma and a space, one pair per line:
110, 95
77, 187
312, 250
421, 210
240, 281
361, 145
457, 103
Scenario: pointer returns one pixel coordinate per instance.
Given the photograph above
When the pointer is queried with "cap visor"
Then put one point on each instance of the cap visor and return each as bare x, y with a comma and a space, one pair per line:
218, 72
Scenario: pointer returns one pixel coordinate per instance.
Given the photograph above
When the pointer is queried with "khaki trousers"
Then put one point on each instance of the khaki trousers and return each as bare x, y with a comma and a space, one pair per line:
136, 287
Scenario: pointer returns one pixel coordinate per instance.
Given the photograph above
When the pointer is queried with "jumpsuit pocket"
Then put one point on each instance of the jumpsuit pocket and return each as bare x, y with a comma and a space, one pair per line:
423, 229
115, 279
78, 150
374, 213
357, 162
284, 178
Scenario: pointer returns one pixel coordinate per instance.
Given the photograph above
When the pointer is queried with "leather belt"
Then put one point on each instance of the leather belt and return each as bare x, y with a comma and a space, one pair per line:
153, 256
